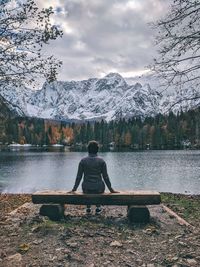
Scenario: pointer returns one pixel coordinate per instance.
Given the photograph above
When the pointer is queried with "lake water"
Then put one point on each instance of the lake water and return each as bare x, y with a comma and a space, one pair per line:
166, 171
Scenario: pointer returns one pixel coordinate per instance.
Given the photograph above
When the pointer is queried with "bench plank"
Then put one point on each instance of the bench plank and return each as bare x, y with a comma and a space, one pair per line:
122, 198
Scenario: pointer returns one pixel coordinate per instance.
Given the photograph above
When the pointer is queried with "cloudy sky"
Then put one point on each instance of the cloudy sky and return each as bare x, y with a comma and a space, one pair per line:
102, 36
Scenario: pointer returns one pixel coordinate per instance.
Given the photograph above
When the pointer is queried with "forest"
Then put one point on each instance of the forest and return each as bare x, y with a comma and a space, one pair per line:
172, 131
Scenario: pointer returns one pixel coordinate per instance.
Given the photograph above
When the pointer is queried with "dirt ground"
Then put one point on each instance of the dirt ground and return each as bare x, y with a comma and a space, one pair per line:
27, 239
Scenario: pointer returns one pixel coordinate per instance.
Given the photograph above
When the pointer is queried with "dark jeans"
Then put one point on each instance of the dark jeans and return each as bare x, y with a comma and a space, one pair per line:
96, 191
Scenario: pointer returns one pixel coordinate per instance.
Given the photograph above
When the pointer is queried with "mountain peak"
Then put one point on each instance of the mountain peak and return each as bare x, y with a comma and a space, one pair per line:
114, 75
114, 80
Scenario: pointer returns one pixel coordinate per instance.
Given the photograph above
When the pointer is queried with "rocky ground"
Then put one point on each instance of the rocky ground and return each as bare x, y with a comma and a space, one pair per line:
28, 239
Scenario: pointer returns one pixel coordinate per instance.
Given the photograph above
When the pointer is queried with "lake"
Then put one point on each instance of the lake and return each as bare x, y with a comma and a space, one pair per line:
165, 171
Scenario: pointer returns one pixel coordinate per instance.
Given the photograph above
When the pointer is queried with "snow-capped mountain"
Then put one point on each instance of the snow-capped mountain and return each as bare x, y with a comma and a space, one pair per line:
6, 109
109, 98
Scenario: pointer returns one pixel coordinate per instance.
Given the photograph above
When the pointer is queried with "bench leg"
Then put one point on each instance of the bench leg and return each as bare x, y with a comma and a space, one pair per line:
54, 212
138, 214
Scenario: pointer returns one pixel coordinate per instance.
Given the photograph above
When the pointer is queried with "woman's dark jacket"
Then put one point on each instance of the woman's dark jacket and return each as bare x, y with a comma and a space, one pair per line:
95, 171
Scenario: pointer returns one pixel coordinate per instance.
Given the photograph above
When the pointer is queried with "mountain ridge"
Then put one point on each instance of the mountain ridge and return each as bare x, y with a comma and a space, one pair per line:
109, 98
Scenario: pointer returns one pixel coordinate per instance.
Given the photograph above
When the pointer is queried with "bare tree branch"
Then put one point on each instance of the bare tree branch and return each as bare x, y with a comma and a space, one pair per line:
178, 40
24, 30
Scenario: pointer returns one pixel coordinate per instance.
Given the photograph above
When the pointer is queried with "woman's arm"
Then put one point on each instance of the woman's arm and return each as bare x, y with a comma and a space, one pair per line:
106, 178
78, 176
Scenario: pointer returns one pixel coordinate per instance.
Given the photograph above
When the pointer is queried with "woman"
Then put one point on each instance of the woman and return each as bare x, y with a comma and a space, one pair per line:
95, 175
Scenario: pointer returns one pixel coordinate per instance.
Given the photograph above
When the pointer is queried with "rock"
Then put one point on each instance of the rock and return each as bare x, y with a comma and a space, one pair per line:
129, 241
139, 262
72, 244
116, 244
37, 242
3, 254
61, 249
66, 251
14, 234
52, 258
54, 212
170, 259
150, 265
138, 214
38, 219
192, 262
151, 230
175, 258
182, 244
131, 251
107, 263
13, 260
35, 229
178, 236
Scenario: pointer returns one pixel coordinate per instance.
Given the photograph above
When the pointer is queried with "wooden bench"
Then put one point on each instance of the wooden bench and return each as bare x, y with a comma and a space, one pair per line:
136, 202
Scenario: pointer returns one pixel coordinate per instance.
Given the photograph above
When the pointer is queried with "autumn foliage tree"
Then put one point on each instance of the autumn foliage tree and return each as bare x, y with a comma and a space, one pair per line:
172, 131
24, 31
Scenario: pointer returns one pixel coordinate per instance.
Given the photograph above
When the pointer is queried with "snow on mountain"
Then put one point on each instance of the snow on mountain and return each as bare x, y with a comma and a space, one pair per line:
183, 99
110, 97
16, 98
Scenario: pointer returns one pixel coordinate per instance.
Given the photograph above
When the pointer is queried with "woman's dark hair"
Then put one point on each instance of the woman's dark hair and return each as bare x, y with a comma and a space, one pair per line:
93, 147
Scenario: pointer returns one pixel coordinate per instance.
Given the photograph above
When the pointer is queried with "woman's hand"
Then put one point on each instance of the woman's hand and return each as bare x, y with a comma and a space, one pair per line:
113, 191
72, 192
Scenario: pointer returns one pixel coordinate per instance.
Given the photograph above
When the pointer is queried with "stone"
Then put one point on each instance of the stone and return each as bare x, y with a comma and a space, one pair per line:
131, 251
72, 244
37, 242
54, 212
182, 244
60, 249
138, 214
116, 244
107, 263
178, 236
175, 258
52, 258
192, 262
151, 230
3, 254
139, 262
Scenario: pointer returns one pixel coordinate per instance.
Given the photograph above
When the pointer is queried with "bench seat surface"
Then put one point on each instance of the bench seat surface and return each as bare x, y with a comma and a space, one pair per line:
139, 197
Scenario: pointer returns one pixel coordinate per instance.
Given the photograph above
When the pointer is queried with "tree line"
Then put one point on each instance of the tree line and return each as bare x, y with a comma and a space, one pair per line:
172, 131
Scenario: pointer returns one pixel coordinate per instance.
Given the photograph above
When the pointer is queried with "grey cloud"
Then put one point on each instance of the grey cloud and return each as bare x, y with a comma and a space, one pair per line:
105, 35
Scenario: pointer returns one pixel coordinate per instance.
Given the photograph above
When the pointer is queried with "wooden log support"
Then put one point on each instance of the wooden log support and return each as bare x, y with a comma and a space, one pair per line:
180, 220
54, 212
138, 214
121, 198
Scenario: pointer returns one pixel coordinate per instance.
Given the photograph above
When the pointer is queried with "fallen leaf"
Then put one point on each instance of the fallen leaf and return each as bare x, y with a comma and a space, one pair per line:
24, 248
